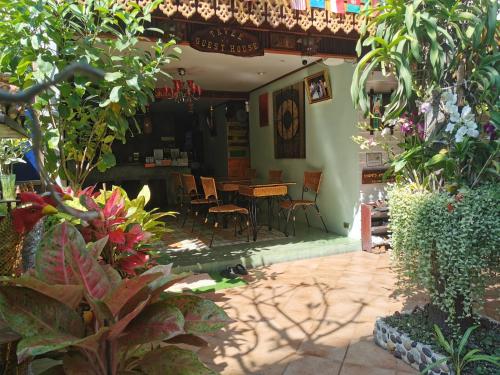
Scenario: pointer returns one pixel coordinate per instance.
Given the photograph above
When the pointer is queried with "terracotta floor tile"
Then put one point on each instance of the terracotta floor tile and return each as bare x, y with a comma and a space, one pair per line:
367, 353
306, 317
351, 369
330, 346
312, 365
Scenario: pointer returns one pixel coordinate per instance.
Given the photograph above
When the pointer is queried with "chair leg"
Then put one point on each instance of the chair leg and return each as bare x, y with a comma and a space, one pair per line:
216, 224
185, 217
293, 224
195, 216
235, 223
321, 217
287, 221
307, 219
248, 229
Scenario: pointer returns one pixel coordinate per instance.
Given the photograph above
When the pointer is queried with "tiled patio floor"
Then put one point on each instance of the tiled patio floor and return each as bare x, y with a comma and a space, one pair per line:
190, 252
308, 317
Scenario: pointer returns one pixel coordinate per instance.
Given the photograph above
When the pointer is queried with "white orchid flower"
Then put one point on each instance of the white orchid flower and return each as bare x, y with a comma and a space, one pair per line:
461, 132
453, 112
385, 131
449, 97
450, 127
469, 129
467, 115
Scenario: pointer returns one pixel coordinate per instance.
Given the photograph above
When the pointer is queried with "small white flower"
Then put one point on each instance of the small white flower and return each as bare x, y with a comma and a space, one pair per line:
474, 133
450, 127
454, 114
467, 114
449, 97
385, 131
461, 132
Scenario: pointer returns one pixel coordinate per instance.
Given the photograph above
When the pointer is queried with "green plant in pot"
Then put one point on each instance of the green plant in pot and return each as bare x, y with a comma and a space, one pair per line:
84, 315
445, 110
11, 152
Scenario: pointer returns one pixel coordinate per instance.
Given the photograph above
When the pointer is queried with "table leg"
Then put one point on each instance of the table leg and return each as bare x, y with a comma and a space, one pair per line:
270, 213
252, 211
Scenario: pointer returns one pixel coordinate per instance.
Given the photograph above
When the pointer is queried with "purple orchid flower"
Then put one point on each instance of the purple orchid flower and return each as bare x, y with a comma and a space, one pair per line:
424, 107
407, 128
491, 130
421, 130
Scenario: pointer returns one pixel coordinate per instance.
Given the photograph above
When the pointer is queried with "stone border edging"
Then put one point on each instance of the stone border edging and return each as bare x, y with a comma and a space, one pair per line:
416, 354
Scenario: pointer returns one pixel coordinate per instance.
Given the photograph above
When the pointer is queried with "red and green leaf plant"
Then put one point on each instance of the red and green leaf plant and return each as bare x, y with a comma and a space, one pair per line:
132, 231
83, 313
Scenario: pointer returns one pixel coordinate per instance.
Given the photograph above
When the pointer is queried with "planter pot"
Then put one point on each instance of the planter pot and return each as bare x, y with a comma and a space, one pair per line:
416, 354
8, 182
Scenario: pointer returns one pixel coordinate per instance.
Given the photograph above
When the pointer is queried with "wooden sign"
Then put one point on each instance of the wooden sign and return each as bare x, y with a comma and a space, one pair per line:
226, 40
375, 176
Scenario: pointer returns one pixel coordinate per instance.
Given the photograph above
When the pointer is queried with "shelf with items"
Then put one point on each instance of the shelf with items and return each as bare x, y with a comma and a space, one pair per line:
375, 226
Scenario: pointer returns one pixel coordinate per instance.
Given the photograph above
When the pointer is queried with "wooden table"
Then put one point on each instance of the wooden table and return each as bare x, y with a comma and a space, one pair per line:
254, 190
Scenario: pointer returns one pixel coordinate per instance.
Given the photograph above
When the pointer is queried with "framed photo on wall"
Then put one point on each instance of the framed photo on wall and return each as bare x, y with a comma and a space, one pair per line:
373, 159
318, 87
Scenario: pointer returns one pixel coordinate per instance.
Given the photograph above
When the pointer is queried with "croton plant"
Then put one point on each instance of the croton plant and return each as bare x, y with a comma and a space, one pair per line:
130, 231
82, 313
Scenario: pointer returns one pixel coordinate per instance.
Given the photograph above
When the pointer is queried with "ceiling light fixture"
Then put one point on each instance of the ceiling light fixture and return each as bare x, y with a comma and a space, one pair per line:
261, 73
184, 91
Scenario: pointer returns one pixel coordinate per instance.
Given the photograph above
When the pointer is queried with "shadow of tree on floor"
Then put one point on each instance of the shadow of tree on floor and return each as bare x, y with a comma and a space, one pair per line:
283, 334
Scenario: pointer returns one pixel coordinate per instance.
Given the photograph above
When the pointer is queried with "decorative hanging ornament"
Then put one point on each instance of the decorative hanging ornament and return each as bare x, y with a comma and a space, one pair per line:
183, 91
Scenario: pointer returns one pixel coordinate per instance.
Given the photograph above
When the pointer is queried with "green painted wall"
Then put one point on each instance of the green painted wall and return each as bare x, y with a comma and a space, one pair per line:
329, 128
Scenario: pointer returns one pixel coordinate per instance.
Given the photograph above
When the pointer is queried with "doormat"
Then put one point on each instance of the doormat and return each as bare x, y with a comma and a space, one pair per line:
206, 283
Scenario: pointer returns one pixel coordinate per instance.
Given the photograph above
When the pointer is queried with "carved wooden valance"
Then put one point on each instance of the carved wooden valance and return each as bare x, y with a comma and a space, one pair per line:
260, 13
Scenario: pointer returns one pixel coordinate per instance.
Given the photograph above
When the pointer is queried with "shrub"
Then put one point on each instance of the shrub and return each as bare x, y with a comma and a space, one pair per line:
126, 230
79, 311
448, 245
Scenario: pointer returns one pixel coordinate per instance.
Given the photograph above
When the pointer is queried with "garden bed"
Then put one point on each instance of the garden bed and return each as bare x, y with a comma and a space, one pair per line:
410, 337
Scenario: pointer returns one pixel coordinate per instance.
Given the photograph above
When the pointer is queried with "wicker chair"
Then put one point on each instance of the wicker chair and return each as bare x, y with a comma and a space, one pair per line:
210, 190
195, 202
312, 181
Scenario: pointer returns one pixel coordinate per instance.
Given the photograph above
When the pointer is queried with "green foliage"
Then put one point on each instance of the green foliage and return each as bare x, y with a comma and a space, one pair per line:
136, 213
11, 152
81, 119
447, 245
429, 45
74, 308
456, 354
445, 57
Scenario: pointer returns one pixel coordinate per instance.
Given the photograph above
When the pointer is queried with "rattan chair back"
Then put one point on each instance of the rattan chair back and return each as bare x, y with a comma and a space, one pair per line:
312, 181
176, 181
189, 185
209, 188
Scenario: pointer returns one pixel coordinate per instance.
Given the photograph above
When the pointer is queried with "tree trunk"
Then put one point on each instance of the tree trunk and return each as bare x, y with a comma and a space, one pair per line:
436, 315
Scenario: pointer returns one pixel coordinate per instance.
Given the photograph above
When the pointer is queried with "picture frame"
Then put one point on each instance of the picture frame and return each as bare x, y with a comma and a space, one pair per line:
373, 159
318, 87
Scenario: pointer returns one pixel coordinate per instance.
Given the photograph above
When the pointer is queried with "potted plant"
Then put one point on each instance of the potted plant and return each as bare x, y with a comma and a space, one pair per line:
11, 152
446, 112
